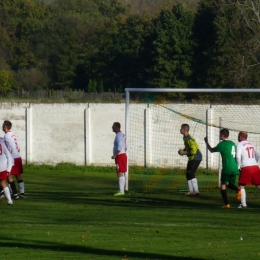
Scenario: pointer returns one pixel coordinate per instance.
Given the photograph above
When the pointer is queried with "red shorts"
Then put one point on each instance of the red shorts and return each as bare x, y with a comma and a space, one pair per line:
17, 167
3, 175
121, 163
250, 175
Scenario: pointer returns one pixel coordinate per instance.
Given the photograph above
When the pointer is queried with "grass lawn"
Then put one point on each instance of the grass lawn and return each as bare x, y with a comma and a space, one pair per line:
70, 213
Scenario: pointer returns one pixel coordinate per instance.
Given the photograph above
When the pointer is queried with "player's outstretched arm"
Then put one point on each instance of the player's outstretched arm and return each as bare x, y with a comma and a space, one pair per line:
208, 145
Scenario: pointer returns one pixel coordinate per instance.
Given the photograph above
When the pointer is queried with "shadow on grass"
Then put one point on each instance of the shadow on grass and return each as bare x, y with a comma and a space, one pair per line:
212, 201
43, 245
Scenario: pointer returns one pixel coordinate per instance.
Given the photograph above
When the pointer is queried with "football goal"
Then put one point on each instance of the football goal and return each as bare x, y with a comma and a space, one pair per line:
153, 118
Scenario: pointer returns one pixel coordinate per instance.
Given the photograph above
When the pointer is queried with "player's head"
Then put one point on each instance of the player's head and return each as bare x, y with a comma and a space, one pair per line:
185, 128
224, 133
116, 127
7, 125
242, 136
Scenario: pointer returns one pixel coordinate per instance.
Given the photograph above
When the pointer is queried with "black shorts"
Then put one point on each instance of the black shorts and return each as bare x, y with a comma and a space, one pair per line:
192, 167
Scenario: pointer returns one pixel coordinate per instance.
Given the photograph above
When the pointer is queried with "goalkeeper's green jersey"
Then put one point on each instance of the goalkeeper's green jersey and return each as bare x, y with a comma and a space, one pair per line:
227, 150
192, 147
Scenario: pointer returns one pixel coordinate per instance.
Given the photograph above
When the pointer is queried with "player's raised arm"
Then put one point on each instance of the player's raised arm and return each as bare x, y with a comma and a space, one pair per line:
208, 145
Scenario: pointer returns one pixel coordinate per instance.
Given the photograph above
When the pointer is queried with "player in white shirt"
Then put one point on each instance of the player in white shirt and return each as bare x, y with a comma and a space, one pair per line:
17, 169
119, 154
247, 159
6, 163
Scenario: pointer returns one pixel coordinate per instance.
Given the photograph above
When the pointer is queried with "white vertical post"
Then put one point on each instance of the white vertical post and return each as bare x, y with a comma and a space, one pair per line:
127, 104
209, 134
148, 137
219, 158
87, 136
28, 137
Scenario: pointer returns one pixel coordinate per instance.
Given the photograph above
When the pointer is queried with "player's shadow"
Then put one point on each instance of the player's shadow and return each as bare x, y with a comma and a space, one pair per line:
85, 250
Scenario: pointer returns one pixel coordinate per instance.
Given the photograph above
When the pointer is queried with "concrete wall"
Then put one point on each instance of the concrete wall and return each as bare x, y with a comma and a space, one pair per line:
82, 133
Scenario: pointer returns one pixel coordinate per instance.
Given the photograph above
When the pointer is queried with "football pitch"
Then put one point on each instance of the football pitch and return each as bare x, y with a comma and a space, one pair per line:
70, 213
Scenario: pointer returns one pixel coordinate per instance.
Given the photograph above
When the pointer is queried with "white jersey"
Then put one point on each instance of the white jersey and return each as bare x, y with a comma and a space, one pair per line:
246, 154
12, 144
6, 159
120, 143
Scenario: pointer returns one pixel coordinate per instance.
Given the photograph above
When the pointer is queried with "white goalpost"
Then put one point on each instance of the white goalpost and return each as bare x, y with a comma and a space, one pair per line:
152, 126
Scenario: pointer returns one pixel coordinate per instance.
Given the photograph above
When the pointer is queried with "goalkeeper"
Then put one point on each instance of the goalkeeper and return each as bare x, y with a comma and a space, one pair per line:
192, 151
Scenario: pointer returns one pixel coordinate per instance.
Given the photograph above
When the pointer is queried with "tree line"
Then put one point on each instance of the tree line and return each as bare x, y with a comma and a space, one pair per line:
108, 45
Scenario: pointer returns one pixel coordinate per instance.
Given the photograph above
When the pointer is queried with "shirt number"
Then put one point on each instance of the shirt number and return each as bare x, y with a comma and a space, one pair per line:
233, 151
250, 152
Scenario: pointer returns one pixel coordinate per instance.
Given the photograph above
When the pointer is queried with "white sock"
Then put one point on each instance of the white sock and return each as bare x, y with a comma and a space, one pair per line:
243, 197
190, 186
195, 185
122, 184
7, 194
21, 187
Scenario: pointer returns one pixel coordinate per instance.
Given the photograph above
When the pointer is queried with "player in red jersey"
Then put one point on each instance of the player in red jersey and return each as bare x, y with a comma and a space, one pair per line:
17, 169
247, 158
119, 154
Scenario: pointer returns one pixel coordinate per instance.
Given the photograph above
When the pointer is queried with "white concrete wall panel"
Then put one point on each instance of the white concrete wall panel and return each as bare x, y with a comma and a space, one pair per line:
16, 113
58, 133
82, 133
102, 138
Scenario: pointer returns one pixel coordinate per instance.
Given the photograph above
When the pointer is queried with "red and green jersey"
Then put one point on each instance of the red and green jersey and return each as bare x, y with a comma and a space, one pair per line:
227, 150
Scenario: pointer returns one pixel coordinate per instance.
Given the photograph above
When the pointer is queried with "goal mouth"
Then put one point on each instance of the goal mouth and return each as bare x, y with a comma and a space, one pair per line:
153, 121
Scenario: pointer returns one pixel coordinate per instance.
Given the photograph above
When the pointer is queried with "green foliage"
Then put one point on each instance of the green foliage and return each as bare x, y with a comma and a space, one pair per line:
7, 81
226, 49
67, 43
92, 86
171, 54
100, 86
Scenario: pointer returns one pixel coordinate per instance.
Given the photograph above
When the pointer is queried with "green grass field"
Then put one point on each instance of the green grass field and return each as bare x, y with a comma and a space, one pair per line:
70, 213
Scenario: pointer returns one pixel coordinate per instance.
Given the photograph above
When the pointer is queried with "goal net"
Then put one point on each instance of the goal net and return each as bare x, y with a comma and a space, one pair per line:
153, 121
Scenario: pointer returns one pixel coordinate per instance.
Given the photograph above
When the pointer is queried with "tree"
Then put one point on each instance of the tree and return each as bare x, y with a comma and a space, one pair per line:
21, 19
224, 60
171, 50
249, 10
92, 86
7, 81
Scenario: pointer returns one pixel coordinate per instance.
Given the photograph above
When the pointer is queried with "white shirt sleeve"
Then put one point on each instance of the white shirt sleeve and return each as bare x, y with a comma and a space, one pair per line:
9, 158
257, 156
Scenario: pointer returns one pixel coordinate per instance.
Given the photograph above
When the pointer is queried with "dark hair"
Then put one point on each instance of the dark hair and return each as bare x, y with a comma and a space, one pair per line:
8, 124
224, 132
185, 127
117, 124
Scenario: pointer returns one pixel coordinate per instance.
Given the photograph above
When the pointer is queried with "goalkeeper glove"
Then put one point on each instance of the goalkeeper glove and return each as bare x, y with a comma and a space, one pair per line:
182, 152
